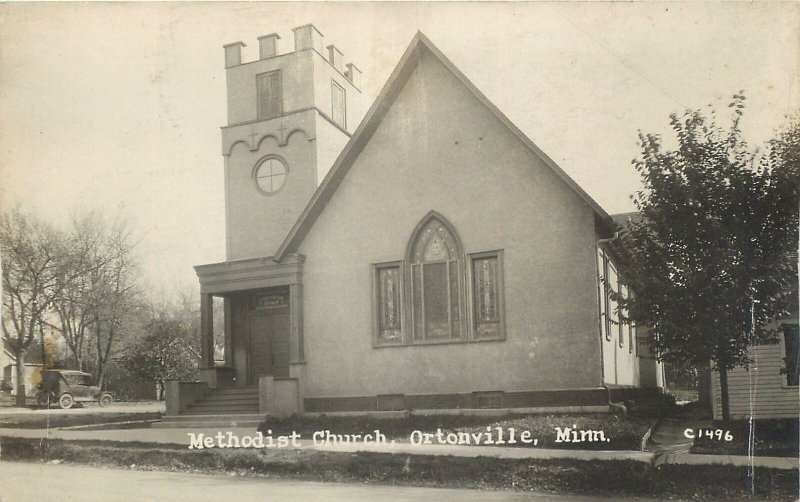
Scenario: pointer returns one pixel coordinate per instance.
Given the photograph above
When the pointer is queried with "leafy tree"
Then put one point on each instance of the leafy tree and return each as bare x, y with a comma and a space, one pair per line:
167, 350
711, 260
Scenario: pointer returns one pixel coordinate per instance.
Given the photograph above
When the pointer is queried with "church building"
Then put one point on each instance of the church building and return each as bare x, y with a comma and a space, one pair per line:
421, 254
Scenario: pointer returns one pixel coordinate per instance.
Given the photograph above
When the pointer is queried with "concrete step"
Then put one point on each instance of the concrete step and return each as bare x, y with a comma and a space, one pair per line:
211, 410
671, 442
231, 398
668, 449
224, 404
234, 390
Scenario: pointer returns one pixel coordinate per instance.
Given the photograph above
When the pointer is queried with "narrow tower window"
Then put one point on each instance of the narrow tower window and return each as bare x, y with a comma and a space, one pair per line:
270, 94
338, 100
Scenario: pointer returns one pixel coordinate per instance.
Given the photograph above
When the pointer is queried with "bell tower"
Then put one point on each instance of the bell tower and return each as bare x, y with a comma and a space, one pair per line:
289, 116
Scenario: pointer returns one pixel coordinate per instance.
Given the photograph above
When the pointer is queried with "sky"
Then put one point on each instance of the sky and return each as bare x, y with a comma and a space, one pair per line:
116, 107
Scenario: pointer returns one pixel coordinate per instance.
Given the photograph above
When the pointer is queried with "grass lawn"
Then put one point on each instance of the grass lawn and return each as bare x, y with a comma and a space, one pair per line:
772, 438
608, 478
624, 433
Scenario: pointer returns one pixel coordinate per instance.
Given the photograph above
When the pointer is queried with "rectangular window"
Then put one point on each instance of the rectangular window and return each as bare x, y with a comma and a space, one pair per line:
602, 291
388, 284
612, 283
633, 344
270, 94
623, 324
338, 104
487, 295
791, 343
631, 338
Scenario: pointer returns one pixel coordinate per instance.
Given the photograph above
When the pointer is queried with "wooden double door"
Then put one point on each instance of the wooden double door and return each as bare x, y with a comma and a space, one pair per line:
269, 347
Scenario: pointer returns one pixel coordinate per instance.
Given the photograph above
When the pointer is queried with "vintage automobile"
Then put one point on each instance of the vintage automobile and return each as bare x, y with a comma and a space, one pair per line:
67, 387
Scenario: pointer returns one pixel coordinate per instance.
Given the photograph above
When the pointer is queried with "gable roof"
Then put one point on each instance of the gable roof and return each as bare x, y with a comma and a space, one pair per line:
397, 80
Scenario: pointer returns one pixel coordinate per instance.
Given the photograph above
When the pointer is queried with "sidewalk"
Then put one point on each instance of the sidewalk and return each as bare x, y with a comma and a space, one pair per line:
89, 409
669, 437
670, 445
181, 437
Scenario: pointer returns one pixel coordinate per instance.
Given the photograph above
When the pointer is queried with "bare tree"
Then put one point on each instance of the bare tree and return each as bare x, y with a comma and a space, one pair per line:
116, 294
38, 263
92, 308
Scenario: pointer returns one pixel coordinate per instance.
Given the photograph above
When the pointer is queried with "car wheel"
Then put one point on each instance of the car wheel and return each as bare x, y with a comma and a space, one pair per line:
106, 399
66, 401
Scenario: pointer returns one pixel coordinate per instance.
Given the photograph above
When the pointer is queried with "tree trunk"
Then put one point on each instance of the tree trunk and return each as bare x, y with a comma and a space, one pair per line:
723, 383
100, 365
21, 400
102, 357
101, 375
44, 348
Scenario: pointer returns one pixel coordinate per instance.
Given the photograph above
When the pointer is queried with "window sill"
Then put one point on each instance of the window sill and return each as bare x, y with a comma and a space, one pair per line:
437, 342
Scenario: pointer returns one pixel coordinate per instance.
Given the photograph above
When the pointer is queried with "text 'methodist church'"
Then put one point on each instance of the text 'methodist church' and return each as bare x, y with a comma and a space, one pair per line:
420, 254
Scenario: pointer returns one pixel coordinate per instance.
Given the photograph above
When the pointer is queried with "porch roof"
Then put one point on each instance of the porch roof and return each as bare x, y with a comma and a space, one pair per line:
249, 273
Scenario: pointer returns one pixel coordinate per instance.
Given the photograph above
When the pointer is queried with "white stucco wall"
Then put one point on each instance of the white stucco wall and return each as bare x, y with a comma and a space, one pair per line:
440, 149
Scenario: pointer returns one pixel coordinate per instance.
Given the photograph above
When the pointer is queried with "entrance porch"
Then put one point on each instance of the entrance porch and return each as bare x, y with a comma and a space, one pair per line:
260, 372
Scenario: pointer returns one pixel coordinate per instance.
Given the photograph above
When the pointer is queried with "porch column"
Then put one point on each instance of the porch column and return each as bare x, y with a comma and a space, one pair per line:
228, 331
296, 315
206, 331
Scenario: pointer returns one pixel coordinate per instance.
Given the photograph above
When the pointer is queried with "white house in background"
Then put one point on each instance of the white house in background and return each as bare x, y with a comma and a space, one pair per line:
769, 389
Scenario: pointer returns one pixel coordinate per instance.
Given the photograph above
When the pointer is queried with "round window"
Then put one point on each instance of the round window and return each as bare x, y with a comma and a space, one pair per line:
271, 175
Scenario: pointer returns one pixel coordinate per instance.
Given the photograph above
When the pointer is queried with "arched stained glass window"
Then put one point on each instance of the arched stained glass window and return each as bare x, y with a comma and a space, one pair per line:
435, 282
438, 294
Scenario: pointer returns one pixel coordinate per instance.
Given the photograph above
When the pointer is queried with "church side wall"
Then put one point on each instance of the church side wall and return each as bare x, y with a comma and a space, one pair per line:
440, 149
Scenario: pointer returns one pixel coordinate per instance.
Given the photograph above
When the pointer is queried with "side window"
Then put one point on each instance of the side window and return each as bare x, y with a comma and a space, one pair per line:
623, 324
612, 285
338, 104
389, 293
487, 295
792, 346
602, 293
